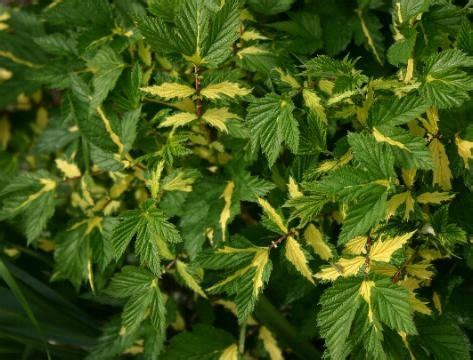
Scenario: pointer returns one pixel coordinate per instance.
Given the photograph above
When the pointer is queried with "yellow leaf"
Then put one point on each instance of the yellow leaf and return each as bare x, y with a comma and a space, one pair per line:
226, 88
420, 271
383, 250
356, 246
351, 267
251, 50
225, 214
330, 273
431, 124
5, 132
410, 283
442, 173
385, 269
272, 215
418, 305
170, 90
365, 293
434, 197
294, 191
121, 185
154, 182
249, 35
430, 254
409, 205
329, 165
231, 306
188, 278
179, 119
16, 59
42, 117
259, 262
178, 182
288, 79
464, 148
369, 37
230, 353
437, 302
383, 138
270, 344
314, 103
5, 74
108, 127
217, 117
409, 176
296, 257
70, 170
394, 203
314, 238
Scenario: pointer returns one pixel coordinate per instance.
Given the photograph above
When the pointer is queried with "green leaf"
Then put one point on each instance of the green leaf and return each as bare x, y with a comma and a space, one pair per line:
413, 152
444, 84
107, 67
203, 342
391, 305
339, 304
344, 72
377, 159
364, 214
145, 297
270, 7
223, 32
411, 8
401, 50
247, 281
441, 338
396, 111
152, 231
368, 32
31, 196
272, 123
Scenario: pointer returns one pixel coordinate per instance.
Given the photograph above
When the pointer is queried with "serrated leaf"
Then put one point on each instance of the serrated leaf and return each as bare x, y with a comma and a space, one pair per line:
107, 67
464, 148
169, 91
396, 111
179, 119
363, 215
70, 170
272, 123
217, 117
296, 257
442, 175
270, 344
383, 249
391, 305
434, 197
442, 338
151, 228
33, 197
247, 281
189, 280
272, 214
339, 304
315, 239
225, 88
445, 85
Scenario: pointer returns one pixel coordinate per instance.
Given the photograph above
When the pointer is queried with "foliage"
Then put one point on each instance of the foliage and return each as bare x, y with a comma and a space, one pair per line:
225, 179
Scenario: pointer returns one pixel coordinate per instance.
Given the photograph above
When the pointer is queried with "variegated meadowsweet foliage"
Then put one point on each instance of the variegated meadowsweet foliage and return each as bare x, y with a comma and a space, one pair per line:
229, 179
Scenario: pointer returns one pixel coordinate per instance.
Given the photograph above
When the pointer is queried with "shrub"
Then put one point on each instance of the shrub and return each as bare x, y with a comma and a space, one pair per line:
223, 179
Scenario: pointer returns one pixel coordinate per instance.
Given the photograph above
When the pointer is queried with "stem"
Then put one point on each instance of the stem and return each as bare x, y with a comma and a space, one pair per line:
198, 105
267, 314
241, 341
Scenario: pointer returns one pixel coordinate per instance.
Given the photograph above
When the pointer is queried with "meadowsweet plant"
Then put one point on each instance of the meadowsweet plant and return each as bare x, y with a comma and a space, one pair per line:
231, 179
